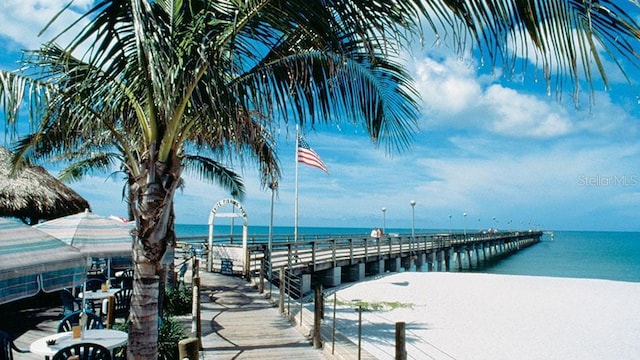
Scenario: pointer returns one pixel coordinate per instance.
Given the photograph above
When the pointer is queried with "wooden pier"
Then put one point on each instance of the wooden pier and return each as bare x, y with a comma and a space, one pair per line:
332, 259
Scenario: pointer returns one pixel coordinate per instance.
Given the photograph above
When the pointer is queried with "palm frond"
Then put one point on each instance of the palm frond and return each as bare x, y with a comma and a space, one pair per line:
214, 172
566, 39
88, 164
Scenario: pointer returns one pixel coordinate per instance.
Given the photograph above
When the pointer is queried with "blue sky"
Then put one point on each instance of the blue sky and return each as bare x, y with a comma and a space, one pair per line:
489, 146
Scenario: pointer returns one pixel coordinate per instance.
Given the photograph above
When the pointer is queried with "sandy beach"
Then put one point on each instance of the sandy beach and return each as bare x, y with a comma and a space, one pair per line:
483, 316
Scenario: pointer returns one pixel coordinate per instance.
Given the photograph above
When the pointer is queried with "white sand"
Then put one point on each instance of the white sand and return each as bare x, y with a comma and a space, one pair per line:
482, 316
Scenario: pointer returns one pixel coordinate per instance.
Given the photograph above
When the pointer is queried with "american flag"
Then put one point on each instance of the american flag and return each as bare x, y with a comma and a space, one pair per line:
306, 155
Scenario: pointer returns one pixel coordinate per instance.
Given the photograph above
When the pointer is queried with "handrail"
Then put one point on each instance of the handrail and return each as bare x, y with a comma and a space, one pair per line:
313, 250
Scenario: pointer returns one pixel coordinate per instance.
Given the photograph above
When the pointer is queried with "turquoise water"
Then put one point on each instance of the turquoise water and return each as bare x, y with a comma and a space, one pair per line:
576, 254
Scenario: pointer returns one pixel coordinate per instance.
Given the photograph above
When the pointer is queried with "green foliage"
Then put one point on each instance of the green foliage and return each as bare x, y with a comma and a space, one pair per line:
375, 306
177, 301
171, 331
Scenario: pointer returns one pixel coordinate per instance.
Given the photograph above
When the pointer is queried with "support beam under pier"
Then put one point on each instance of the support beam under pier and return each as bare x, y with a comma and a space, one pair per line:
393, 264
330, 277
375, 267
421, 262
408, 263
431, 262
353, 272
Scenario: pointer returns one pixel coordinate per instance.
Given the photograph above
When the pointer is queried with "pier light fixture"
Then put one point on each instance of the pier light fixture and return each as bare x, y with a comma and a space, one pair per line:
384, 220
464, 215
450, 228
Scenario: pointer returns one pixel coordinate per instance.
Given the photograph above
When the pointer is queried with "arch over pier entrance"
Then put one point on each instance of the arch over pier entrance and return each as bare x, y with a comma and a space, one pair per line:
228, 256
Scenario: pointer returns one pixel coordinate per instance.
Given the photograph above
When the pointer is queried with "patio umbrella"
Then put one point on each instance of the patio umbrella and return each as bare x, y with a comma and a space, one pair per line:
31, 260
33, 194
93, 235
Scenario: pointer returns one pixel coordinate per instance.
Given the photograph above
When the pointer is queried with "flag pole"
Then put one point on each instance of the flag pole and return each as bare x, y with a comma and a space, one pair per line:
295, 218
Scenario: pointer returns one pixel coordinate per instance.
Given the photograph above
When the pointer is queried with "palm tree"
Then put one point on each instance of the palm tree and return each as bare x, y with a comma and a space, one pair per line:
167, 75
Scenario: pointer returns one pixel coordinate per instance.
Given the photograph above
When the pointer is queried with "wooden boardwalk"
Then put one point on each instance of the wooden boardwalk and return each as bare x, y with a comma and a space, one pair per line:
240, 323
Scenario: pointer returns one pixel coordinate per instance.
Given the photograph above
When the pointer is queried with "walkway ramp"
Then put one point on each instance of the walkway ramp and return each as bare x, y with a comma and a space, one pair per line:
240, 323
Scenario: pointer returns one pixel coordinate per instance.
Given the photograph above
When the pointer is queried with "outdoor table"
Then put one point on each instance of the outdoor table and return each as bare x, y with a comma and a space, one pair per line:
111, 339
97, 295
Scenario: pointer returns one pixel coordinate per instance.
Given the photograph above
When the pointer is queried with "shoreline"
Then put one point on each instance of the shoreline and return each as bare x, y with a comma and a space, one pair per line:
488, 316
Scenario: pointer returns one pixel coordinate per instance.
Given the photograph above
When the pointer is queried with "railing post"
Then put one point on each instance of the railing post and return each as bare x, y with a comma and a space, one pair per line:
317, 339
281, 288
366, 249
247, 264
196, 323
401, 349
333, 256
313, 254
351, 250
188, 349
261, 286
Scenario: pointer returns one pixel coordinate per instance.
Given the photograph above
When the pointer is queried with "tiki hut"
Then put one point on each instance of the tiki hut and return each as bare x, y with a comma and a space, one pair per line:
33, 194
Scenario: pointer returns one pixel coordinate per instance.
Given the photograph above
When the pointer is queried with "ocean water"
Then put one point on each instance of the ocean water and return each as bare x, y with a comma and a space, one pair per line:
575, 254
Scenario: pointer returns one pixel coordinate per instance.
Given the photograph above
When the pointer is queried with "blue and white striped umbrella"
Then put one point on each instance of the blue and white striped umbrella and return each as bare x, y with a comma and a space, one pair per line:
93, 235
31, 260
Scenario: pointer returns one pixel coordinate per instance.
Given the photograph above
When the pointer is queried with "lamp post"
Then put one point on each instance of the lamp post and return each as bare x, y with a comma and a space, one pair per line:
273, 186
465, 224
384, 220
450, 229
413, 224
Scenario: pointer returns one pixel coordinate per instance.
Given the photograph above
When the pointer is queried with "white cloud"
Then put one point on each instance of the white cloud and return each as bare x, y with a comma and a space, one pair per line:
520, 115
22, 20
447, 88
455, 95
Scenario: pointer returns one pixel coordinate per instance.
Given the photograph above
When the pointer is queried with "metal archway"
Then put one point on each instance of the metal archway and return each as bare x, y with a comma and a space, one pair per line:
241, 214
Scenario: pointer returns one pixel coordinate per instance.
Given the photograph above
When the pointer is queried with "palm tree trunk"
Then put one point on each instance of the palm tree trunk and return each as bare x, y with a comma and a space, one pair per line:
154, 217
143, 326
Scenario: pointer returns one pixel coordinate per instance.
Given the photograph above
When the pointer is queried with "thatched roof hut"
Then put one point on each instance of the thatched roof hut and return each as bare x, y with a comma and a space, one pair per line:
33, 194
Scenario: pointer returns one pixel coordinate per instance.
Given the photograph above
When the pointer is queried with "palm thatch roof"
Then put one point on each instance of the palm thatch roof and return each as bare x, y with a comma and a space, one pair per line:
33, 194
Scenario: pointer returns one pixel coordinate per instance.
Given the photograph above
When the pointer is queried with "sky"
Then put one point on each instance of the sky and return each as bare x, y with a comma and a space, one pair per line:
501, 149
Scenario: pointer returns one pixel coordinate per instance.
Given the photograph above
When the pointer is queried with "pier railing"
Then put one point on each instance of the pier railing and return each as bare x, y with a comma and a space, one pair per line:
311, 253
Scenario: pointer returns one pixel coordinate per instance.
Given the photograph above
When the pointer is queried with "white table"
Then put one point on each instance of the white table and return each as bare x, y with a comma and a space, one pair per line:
97, 295
111, 339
